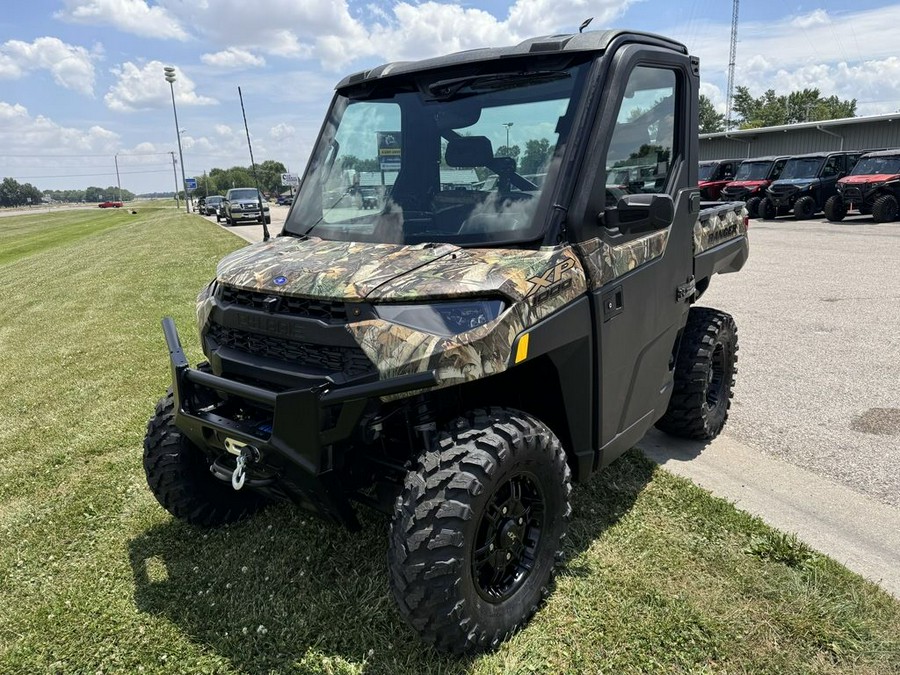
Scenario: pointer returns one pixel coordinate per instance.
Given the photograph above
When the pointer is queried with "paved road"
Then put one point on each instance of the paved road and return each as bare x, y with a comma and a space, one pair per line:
818, 314
253, 232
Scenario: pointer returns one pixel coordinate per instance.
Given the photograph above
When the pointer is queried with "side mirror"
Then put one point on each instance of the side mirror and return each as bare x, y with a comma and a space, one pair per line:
634, 214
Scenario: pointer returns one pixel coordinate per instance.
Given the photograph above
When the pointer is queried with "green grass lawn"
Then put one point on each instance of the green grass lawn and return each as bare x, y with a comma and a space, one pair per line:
96, 577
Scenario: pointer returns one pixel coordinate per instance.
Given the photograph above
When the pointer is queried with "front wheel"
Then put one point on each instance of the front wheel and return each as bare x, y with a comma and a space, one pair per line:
752, 206
478, 529
767, 209
804, 208
704, 376
835, 209
179, 477
884, 210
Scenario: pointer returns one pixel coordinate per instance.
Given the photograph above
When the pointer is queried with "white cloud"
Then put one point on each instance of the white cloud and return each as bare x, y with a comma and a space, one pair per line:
233, 59
145, 87
223, 130
72, 66
282, 132
22, 133
817, 18
130, 16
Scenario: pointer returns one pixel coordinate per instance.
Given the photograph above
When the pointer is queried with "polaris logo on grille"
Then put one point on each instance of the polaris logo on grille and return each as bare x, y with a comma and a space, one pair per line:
279, 281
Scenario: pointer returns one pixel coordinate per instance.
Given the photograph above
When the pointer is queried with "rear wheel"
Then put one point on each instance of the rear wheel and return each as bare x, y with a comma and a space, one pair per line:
835, 209
752, 206
478, 530
804, 208
179, 477
884, 210
767, 209
704, 376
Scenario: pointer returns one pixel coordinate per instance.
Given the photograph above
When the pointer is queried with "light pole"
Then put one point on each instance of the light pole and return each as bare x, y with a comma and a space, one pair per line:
118, 182
507, 125
170, 78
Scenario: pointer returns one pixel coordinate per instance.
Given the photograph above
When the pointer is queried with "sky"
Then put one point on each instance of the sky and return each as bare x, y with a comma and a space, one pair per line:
82, 84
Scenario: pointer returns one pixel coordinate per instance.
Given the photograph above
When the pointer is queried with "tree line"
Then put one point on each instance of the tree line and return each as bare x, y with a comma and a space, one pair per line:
219, 181
771, 109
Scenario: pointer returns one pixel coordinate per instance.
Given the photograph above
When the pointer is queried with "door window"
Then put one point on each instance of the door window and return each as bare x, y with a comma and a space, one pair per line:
640, 151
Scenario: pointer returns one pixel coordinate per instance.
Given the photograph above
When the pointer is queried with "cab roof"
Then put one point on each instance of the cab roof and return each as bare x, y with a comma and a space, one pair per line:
883, 153
593, 41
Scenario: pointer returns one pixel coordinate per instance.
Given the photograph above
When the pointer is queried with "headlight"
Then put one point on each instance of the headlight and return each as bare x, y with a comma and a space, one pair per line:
807, 186
446, 318
872, 186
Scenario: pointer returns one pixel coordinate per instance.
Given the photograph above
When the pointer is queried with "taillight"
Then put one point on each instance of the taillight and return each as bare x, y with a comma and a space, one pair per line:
746, 222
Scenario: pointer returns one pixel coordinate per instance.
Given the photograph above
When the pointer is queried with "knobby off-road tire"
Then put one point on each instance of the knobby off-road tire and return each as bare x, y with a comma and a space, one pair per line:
704, 376
804, 208
179, 477
478, 529
884, 210
767, 209
752, 206
835, 209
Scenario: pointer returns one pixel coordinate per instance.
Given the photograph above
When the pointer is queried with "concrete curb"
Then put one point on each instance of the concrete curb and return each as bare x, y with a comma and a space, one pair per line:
857, 531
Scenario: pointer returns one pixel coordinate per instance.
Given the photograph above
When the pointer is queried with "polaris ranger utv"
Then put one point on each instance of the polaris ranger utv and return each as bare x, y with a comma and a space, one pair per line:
806, 183
715, 174
751, 180
457, 358
872, 187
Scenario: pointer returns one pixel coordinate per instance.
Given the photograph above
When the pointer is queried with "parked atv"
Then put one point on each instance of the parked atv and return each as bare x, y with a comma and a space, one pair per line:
872, 187
458, 358
806, 183
715, 174
751, 180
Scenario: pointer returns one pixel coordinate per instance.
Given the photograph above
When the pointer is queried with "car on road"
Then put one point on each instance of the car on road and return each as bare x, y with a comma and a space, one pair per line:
243, 204
210, 206
110, 205
872, 187
285, 200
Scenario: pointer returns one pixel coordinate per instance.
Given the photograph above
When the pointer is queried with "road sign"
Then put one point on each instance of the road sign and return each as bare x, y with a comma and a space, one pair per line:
190, 183
389, 150
291, 179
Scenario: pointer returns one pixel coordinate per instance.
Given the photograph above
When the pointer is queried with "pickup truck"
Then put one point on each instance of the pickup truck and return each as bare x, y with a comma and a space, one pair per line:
458, 358
110, 205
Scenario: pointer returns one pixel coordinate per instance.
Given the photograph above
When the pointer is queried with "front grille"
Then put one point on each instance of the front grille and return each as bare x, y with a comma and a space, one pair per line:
323, 310
852, 194
350, 361
736, 194
783, 189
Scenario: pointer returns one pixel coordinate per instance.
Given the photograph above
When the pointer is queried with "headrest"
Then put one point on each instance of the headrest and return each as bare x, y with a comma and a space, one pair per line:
469, 151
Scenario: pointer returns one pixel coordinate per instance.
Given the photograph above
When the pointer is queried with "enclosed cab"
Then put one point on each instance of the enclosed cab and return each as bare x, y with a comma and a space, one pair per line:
458, 357
873, 186
806, 183
751, 180
715, 174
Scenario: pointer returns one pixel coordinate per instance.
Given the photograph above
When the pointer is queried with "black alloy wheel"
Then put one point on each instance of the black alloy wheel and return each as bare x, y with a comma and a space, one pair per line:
508, 538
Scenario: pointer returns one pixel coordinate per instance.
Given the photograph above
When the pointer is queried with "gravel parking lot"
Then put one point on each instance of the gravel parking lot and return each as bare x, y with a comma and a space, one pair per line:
818, 314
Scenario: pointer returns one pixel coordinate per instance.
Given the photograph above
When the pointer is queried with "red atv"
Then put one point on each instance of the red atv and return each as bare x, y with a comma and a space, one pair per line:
873, 186
713, 175
751, 180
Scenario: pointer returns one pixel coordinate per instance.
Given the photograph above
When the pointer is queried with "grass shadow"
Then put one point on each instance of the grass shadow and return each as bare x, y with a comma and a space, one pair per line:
284, 591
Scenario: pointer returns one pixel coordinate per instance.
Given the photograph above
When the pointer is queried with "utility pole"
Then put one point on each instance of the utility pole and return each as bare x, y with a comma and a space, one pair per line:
175, 174
118, 182
731, 58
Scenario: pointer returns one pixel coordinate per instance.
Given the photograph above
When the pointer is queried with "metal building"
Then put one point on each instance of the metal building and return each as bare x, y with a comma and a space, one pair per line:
851, 133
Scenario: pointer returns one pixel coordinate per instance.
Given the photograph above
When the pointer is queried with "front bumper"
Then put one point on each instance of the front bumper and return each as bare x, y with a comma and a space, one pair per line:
784, 199
293, 431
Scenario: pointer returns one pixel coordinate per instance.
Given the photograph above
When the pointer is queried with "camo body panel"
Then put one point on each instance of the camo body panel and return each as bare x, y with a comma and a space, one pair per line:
605, 262
537, 282
328, 270
718, 225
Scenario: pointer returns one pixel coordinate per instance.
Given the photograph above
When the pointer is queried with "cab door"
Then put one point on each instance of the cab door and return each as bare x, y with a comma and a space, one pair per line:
640, 258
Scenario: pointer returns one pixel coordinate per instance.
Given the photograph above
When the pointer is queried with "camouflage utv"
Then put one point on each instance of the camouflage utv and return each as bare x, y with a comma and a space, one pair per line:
456, 358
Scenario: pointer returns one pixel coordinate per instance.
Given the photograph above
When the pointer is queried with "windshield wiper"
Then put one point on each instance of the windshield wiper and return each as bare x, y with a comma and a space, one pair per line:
445, 89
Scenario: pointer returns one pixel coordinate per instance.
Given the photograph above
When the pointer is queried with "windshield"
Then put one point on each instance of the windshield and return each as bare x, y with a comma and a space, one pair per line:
248, 193
706, 171
876, 165
442, 158
753, 171
801, 168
